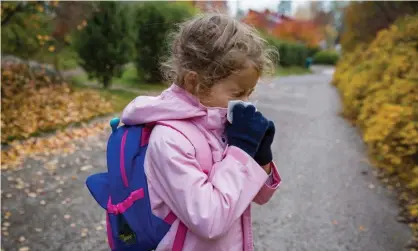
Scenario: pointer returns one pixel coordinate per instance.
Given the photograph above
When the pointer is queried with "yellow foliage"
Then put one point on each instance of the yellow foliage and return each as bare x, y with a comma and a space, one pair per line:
378, 84
33, 101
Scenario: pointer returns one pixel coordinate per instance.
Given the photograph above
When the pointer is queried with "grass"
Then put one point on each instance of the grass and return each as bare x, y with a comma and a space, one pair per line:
118, 98
131, 79
292, 70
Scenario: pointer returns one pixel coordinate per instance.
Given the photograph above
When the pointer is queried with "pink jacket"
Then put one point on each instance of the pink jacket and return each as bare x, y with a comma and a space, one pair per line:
214, 204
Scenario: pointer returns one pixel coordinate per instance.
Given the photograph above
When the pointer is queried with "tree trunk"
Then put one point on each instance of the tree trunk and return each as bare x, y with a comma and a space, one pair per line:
107, 82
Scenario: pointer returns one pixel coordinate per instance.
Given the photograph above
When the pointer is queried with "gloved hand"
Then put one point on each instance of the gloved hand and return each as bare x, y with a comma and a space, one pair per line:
247, 129
264, 155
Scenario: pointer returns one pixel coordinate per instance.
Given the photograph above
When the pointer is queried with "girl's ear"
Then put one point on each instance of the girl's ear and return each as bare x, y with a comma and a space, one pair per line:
191, 82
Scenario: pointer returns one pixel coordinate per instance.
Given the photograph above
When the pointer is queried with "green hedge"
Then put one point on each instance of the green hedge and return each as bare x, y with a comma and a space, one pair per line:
326, 57
290, 54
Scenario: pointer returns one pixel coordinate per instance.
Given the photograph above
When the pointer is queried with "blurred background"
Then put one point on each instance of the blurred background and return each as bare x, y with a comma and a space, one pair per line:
67, 66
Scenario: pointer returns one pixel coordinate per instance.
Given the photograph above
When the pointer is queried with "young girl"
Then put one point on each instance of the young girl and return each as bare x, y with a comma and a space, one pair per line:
214, 59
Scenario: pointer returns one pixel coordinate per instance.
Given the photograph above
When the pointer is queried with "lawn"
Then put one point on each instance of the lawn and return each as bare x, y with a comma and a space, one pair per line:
131, 79
118, 98
126, 88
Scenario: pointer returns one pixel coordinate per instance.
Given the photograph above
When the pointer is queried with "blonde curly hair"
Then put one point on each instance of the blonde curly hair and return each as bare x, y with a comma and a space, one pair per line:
215, 46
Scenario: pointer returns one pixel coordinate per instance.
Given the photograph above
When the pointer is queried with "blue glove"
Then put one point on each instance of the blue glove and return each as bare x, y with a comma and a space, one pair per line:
247, 129
264, 155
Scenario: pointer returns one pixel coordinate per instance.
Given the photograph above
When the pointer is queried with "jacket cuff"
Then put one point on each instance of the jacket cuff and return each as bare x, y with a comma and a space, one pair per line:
274, 179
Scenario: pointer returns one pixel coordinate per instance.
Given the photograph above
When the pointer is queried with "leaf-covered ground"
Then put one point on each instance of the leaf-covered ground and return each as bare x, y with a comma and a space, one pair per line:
37, 100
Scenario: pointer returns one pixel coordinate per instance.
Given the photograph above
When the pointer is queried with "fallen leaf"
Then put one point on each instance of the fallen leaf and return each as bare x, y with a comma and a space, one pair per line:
32, 195
362, 228
86, 167
51, 165
334, 222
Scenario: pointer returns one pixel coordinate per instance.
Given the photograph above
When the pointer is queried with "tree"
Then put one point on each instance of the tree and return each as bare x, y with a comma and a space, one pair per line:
68, 16
25, 27
105, 44
300, 31
153, 21
41, 30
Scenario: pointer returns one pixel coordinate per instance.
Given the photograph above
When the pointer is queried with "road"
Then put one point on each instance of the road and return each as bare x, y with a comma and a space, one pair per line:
329, 199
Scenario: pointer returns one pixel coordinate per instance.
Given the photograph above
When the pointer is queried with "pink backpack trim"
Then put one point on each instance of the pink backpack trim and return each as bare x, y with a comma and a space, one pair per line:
120, 208
122, 159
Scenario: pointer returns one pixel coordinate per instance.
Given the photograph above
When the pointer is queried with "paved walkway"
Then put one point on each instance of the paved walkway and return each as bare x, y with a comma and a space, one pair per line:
329, 200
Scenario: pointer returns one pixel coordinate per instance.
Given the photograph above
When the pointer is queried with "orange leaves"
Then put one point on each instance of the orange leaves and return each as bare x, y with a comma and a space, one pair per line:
61, 142
298, 31
33, 102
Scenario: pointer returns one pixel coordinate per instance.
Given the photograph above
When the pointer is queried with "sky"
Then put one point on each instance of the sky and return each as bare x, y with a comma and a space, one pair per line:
259, 5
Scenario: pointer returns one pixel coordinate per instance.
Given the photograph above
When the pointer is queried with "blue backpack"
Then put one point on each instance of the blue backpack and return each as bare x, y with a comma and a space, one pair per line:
123, 190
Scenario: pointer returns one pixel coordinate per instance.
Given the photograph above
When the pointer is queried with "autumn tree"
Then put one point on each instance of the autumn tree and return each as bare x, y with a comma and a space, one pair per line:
105, 44
25, 27
68, 16
38, 29
300, 31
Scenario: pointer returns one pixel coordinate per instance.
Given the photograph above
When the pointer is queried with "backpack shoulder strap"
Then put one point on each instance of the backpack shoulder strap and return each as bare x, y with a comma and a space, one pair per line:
196, 138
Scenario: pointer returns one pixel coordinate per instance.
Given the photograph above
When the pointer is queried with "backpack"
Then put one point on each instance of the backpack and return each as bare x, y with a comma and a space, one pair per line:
123, 190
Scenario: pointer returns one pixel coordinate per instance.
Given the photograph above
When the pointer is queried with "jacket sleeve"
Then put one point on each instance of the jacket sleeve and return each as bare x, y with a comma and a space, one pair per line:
208, 206
269, 187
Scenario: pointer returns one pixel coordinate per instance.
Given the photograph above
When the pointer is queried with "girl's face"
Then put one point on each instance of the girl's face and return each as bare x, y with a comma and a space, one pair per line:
238, 86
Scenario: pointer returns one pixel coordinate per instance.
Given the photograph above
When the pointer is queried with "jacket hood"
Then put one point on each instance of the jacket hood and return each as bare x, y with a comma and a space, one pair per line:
173, 103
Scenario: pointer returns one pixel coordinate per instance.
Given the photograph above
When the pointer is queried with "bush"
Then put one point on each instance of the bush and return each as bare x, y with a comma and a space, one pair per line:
378, 85
312, 51
153, 21
364, 19
105, 44
326, 57
33, 101
290, 54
